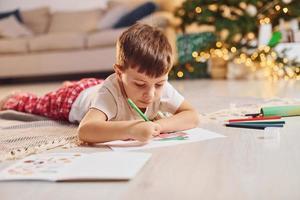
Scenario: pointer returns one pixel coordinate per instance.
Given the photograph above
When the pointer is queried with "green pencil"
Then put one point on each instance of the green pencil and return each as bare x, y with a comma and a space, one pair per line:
137, 110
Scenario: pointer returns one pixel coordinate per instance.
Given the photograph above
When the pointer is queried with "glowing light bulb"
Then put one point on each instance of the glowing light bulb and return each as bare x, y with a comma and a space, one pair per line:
267, 20
180, 74
198, 10
195, 54
233, 49
219, 44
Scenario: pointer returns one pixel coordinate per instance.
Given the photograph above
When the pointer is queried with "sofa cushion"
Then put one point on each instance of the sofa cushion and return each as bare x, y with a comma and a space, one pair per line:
15, 13
75, 21
57, 41
13, 45
104, 38
37, 19
10, 27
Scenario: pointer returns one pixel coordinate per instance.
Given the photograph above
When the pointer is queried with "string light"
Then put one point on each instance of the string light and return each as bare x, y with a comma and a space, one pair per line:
180, 74
261, 21
267, 49
233, 49
267, 64
251, 36
213, 7
285, 10
219, 44
198, 10
195, 54
267, 20
277, 7
199, 59
263, 59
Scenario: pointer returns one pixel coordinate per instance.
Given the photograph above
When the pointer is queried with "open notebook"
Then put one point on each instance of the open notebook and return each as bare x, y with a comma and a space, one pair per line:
77, 166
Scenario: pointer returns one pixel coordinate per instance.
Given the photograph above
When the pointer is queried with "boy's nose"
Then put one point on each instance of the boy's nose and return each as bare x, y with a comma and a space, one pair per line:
149, 94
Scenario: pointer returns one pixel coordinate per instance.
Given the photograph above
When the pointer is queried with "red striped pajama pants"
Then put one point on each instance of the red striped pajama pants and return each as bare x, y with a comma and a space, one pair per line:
55, 105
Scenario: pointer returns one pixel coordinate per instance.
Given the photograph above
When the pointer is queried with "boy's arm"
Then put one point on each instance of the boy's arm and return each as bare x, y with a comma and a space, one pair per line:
94, 128
186, 117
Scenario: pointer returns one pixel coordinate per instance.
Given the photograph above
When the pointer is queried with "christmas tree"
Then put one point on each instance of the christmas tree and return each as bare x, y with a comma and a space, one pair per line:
236, 25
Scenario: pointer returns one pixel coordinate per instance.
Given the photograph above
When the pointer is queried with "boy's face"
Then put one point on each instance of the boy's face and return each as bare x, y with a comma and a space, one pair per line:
140, 88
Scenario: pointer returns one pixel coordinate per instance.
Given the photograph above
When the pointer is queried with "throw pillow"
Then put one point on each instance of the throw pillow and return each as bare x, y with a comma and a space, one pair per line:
10, 27
37, 19
75, 21
136, 14
15, 13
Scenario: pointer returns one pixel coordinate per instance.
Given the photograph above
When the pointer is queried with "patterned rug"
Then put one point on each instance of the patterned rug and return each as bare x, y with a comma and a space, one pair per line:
24, 134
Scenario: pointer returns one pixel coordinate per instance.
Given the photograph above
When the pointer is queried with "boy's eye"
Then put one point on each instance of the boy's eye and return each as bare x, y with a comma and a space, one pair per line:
159, 85
139, 84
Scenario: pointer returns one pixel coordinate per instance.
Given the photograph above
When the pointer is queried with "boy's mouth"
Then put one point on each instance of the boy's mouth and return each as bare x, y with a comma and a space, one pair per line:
145, 102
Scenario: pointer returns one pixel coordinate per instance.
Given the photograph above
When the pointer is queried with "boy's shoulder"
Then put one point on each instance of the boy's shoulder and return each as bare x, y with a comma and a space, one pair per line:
170, 91
168, 87
111, 85
110, 81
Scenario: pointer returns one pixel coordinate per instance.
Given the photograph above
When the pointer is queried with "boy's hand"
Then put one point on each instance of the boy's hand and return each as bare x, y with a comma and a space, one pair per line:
144, 131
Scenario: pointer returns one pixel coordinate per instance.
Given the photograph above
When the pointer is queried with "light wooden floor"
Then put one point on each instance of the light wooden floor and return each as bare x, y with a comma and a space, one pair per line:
245, 165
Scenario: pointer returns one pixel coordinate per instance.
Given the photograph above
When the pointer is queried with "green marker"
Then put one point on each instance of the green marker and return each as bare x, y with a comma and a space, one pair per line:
137, 110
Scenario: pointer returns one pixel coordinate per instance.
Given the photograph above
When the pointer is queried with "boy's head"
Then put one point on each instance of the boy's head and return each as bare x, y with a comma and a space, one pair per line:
143, 62
145, 49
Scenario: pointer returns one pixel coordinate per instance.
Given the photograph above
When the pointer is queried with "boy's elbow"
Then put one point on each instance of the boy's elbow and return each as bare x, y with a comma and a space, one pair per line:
82, 133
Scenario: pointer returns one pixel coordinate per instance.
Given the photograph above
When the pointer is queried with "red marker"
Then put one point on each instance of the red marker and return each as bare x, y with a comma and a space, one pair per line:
254, 119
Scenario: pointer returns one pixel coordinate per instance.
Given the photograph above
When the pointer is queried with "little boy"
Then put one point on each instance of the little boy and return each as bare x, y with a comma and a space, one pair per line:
101, 107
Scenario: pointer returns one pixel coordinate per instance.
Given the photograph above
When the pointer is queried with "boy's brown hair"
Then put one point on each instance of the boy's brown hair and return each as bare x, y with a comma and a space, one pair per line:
146, 48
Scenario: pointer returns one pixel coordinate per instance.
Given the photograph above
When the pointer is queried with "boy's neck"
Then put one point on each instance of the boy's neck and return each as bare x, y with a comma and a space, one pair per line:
122, 89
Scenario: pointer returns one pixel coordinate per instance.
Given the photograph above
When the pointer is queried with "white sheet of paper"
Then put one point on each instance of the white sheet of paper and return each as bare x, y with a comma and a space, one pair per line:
193, 135
77, 166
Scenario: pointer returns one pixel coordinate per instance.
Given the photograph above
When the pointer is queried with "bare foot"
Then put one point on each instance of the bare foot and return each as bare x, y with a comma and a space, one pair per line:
67, 83
5, 98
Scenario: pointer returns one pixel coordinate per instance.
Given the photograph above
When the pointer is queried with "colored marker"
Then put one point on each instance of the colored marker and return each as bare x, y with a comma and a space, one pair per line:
253, 126
174, 138
137, 110
254, 119
259, 122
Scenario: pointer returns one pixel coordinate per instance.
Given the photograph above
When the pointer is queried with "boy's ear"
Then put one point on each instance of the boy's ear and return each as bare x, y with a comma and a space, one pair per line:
118, 70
